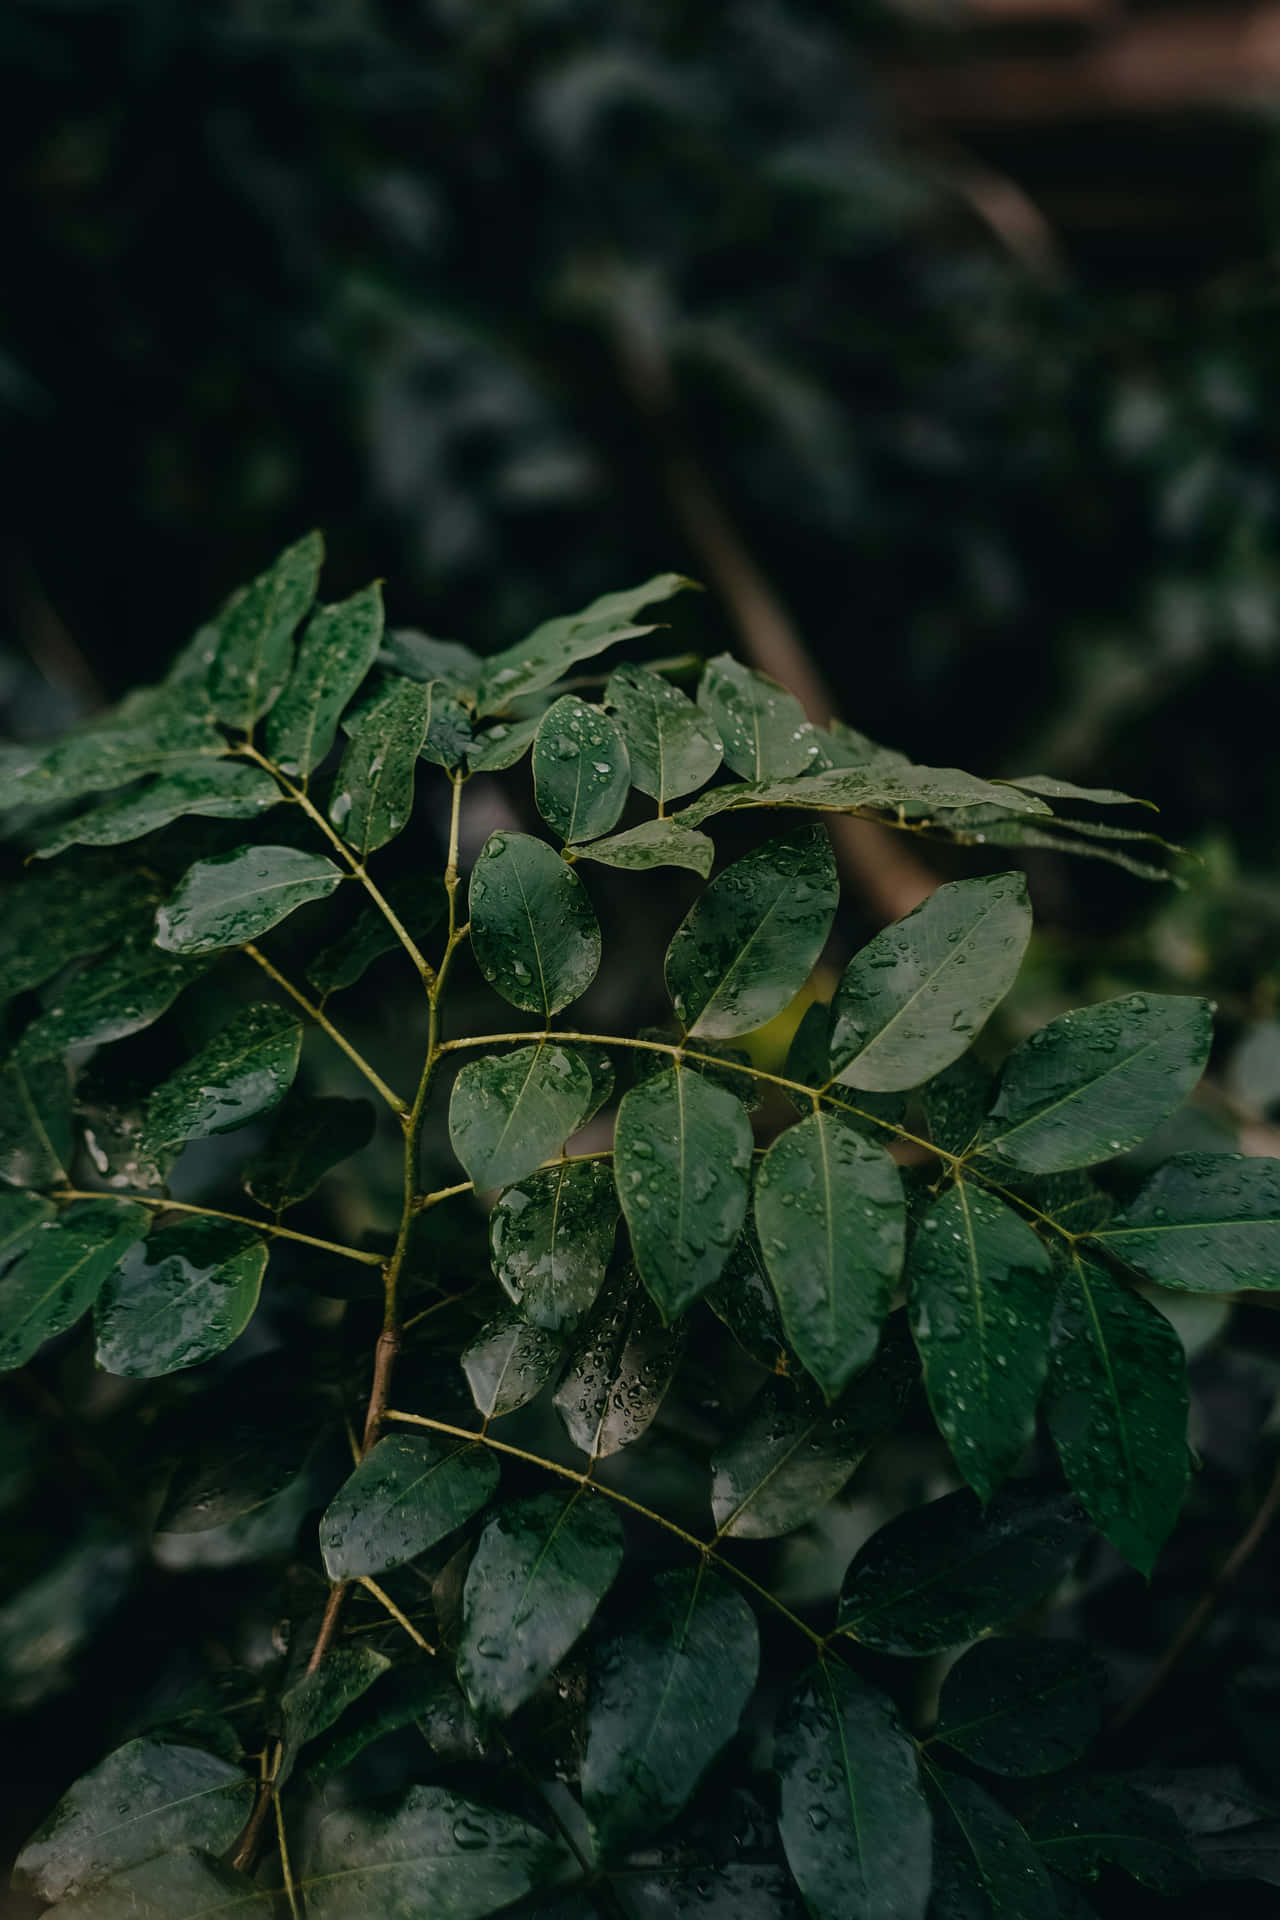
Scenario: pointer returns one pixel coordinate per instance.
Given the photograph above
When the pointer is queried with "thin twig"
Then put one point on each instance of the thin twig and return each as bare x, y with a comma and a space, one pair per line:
401, 1619
322, 1020
286, 1869
216, 1213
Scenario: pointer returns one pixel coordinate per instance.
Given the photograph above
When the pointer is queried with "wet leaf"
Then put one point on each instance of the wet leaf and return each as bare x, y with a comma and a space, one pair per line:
510, 1111
120, 994
406, 1494
310, 1135
253, 634
179, 1297
212, 789
853, 1818
372, 798
337, 652
541, 1569
1054, 789
317, 1699
619, 1372
654, 843
174, 1886
508, 1363
984, 1866
551, 1237
37, 1137
57, 1278
743, 1299
943, 1573
1088, 1824
412, 1696
581, 775
421, 657
1117, 1410
750, 942
765, 733
56, 914
1209, 1222
672, 745
500, 747
167, 737
236, 896
1097, 1081
1021, 1706
887, 786
830, 1215
955, 1103
557, 645
246, 1069
911, 1001
980, 1294
666, 1694
682, 1163
533, 928
20, 1215
419, 906
238, 1450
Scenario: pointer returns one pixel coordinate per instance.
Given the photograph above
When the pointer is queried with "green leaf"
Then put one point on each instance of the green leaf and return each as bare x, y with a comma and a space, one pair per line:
619, 1372
830, 1215
885, 787
853, 1818
174, 1886
764, 729
111, 752
672, 745
551, 1237
750, 942
533, 928
1089, 1824
312, 1704
654, 843
984, 1866
1052, 789
214, 789
57, 1279
541, 1569
743, 1299
37, 1138
1117, 1410
56, 914
665, 1695
237, 1450
943, 1573
508, 1363
1021, 1706
500, 747
436, 1855
1209, 1222
956, 1101
412, 1696
121, 994
237, 896
337, 652
310, 1136
682, 1163
1097, 1081
419, 906
254, 634
246, 1069
557, 645
20, 1215
146, 1798
406, 1494
180, 1297
911, 1001
581, 776
509, 1111
981, 1297
420, 657
373, 790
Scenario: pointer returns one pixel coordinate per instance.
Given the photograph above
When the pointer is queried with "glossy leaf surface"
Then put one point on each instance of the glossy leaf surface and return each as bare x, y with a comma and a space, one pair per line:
373, 789
550, 1238
672, 744
501, 746
581, 775
619, 1372
419, 906
1021, 1706
510, 1111
317, 1699
211, 789
764, 730
984, 1866
246, 1069
507, 1363
253, 634
742, 1297
336, 653
237, 896
406, 1494
173, 1886
559, 644
120, 994
36, 1132
60, 913
1209, 1222
888, 787
310, 1135
179, 1297
654, 843
533, 928
59, 1275
1087, 1824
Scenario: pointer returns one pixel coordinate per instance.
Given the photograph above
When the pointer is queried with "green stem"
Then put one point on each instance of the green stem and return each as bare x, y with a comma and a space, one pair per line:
216, 1213
401, 1619
322, 1020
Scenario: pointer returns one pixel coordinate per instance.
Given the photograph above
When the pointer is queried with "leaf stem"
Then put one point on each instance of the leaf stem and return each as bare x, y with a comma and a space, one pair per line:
322, 1020
286, 1869
216, 1213
401, 1619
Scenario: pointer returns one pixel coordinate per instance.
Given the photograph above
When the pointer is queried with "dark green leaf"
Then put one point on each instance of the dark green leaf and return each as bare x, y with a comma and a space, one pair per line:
533, 928
910, 1002
941, 1574
1089, 1824
146, 1798
541, 1569
854, 1820
750, 942
956, 1101
20, 1215
581, 775
437, 1855
121, 994
1098, 1080
743, 1299
37, 1137
174, 1886
311, 1705
238, 1451
180, 1297
254, 634
372, 797
56, 914
419, 907
421, 1697
889, 787
57, 1279
405, 1495
682, 1163
619, 1373
654, 843
111, 752
765, 733
672, 745
246, 1069
551, 1237
420, 657
236, 896
508, 1363
829, 1212
1209, 1222
557, 645
1117, 1410
981, 1298
213, 789
310, 1136
1021, 1706
498, 748
510, 1111
337, 651
984, 1866
666, 1695
1053, 789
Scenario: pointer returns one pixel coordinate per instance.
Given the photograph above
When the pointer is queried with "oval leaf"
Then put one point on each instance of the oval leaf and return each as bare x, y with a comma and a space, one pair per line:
581, 775
983, 1863
373, 790
310, 1136
212, 789
1088, 1824
58, 1278
1209, 1222
180, 1297
764, 729
407, 1493
672, 745
654, 843
507, 1363
550, 1239
338, 649
509, 1111
533, 928
253, 634
173, 1886
120, 995
225, 901
619, 1373
37, 1137
246, 1069
1021, 1706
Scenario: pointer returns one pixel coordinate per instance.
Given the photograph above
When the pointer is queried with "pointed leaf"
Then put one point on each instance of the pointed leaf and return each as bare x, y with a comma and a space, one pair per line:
56, 914
173, 1886
167, 738
37, 1137
420, 657
750, 942
888, 787
654, 843
1117, 1410
120, 994
764, 729
581, 777
373, 789
1209, 1222
1088, 1824
317, 1698
419, 906
20, 1215
146, 1798
666, 1694
405, 1495
1054, 789
1097, 1081
984, 1866
246, 1069
941, 1574
500, 747
236, 896
212, 789
338, 649
57, 1279
541, 1569
551, 1238
510, 1111
743, 1299
1021, 1706
533, 928
618, 1375
557, 645
672, 745
254, 634
310, 1136
829, 1212
981, 1298
853, 1818
508, 1363
179, 1297
682, 1162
